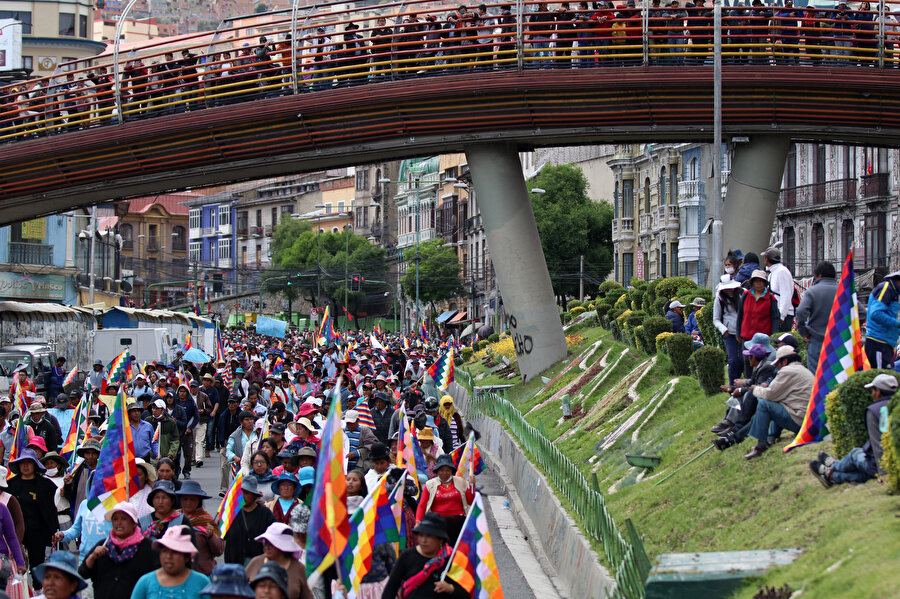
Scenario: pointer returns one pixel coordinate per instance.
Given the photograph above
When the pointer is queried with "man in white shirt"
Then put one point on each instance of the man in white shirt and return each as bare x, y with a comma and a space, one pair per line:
781, 282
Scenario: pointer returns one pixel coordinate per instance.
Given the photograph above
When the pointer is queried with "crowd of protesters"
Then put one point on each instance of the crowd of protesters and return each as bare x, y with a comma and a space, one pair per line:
262, 408
467, 39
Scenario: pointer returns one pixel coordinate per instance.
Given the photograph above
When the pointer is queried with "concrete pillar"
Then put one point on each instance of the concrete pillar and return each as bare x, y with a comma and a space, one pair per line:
753, 188
519, 262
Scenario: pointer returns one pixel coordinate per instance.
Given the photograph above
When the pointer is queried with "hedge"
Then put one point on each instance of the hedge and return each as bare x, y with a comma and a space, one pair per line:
679, 348
642, 338
890, 442
493, 337
575, 311
574, 304
466, 353
662, 341
707, 365
845, 408
653, 326
801, 343
602, 310
669, 288
606, 287
711, 335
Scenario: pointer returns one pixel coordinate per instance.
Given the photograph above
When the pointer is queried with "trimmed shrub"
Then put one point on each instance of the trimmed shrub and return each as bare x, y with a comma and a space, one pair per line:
711, 335
643, 340
707, 365
577, 310
622, 302
653, 326
845, 408
801, 343
679, 348
602, 310
574, 304
658, 306
621, 318
614, 329
635, 319
669, 288
458, 361
636, 299
614, 294
565, 317
662, 342
592, 306
606, 287
466, 353
482, 344
494, 337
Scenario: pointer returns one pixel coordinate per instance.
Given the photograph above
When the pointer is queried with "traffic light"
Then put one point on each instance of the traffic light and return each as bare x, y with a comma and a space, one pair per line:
355, 282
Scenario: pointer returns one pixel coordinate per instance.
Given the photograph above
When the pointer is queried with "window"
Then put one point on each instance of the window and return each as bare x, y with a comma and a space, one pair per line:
818, 244
194, 218
127, 233
153, 237
258, 256
224, 216
662, 191
242, 220
788, 249
693, 173
849, 162
662, 258
327, 207
340, 207
259, 218
790, 167
673, 176
647, 195
875, 240
66, 24
362, 180
628, 198
274, 216
673, 261
627, 268
244, 255
82, 26
179, 239
616, 200
819, 173
689, 224
19, 15
225, 248
286, 212
846, 237
194, 252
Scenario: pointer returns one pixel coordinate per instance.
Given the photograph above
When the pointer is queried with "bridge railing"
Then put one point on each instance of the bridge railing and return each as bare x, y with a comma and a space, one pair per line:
331, 46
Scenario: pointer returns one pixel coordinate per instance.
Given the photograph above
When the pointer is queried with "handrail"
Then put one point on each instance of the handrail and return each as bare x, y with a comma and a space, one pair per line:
437, 40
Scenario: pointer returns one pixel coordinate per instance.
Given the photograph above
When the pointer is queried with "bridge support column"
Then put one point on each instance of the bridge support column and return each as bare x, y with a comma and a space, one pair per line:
519, 263
753, 189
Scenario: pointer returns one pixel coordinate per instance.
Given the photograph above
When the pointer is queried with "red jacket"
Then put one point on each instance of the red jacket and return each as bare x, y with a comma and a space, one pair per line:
757, 315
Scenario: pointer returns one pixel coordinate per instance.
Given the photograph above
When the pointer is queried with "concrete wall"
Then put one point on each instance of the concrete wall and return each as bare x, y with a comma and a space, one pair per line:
559, 545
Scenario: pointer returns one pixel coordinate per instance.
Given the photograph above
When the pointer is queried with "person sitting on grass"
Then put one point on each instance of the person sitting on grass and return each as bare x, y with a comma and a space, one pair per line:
736, 425
783, 403
862, 463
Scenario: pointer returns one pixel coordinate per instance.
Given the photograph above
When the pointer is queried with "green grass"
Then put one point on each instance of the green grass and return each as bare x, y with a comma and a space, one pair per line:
722, 502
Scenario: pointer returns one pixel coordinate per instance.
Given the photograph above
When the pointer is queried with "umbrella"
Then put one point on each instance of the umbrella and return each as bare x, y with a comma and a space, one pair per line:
485, 331
197, 356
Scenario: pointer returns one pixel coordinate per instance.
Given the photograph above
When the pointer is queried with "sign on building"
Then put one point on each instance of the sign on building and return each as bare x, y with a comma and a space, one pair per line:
21, 286
10, 44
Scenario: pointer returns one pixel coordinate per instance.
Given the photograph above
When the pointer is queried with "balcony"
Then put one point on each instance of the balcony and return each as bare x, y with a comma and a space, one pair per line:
623, 229
267, 230
666, 217
242, 230
207, 231
817, 195
225, 229
645, 221
30, 253
689, 191
194, 232
473, 224
875, 186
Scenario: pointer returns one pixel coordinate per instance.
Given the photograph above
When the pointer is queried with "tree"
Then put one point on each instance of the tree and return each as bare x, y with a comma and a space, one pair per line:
439, 273
260, 8
572, 225
321, 261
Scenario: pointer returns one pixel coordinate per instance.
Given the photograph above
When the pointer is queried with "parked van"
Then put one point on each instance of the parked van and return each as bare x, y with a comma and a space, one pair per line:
37, 357
146, 344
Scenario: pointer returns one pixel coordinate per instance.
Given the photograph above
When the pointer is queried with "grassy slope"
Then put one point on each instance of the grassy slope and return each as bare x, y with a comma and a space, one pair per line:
722, 502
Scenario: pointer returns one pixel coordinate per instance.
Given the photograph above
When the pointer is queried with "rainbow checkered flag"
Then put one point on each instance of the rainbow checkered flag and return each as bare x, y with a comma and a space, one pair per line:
115, 478
70, 377
118, 368
472, 564
231, 505
442, 371
468, 459
842, 354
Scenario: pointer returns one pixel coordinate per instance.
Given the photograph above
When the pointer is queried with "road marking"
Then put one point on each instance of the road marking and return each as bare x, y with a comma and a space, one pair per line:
520, 549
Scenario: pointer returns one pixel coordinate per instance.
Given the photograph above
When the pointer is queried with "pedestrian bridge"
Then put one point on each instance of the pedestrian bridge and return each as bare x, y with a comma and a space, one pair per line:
348, 88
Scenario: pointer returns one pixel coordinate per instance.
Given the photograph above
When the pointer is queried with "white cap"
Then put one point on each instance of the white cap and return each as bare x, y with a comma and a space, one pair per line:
159, 404
883, 382
676, 304
351, 416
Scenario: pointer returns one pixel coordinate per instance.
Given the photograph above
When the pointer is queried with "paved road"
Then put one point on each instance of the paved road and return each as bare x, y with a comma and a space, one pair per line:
510, 567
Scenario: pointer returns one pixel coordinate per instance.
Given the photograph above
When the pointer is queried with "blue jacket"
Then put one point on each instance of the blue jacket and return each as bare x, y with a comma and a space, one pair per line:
745, 271
677, 321
691, 326
881, 315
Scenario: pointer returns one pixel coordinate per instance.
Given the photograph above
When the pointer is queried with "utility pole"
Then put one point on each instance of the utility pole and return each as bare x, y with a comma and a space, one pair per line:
92, 254
717, 250
418, 226
581, 279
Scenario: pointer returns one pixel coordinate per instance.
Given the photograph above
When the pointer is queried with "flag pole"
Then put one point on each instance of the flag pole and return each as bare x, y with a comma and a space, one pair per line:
456, 545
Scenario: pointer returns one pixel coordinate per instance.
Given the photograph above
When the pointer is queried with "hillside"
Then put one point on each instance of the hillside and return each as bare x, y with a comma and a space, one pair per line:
626, 402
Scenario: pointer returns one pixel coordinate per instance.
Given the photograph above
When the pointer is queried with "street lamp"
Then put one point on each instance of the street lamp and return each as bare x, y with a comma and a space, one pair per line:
417, 178
538, 190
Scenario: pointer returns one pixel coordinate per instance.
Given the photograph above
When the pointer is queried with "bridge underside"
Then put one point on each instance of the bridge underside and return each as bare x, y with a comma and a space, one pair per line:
429, 115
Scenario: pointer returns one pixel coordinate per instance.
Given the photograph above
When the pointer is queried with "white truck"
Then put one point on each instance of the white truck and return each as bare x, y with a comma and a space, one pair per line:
147, 344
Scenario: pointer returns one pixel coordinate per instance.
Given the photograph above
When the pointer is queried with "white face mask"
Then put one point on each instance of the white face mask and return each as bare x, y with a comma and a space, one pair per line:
729, 270
51, 472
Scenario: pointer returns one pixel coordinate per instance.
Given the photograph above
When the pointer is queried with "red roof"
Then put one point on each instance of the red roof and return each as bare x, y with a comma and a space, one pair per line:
170, 201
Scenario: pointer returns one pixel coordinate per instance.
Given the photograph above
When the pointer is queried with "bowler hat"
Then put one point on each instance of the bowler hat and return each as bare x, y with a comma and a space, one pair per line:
272, 571
63, 561
229, 580
192, 487
434, 525
444, 460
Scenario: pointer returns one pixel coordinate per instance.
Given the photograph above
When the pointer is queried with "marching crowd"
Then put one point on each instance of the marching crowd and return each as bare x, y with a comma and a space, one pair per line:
567, 35
262, 405
756, 305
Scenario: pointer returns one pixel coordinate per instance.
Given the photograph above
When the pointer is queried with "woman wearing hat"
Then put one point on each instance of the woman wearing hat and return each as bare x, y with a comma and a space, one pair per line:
164, 515
286, 487
757, 311
271, 582
447, 495
253, 520
280, 548
457, 429
418, 570
430, 451
303, 433
174, 579
209, 540
227, 581
35, 493
59, 576
56, 466
115, 564
146, 474
725, 319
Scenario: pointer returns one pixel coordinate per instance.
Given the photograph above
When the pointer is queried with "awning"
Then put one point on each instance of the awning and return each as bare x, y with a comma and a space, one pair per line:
466, 331
460, 316
445, 316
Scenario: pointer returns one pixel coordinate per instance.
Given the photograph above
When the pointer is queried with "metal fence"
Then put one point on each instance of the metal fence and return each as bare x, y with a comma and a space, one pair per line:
627, 558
